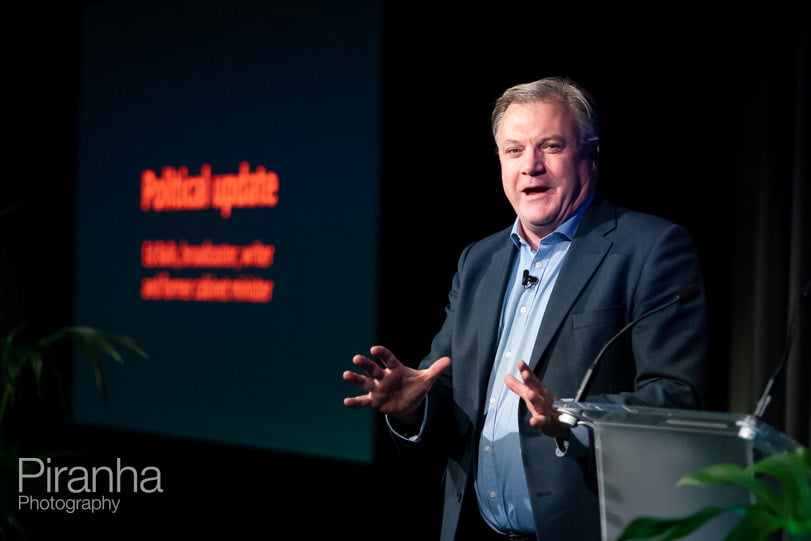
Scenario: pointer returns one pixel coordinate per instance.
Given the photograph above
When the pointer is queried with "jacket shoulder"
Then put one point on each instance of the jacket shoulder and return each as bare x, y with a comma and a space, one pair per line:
617, 221
489, 244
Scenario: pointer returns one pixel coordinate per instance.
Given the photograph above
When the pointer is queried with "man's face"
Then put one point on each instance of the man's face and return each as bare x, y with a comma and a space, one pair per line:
545, 172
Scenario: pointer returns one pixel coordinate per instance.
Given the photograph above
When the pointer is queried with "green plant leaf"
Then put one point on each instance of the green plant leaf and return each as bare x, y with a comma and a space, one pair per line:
799, 529
756, 525
6, 398
36, 365
657, 529
781, 484
91, 339
732, 474
90, 342
14, 356
793, 470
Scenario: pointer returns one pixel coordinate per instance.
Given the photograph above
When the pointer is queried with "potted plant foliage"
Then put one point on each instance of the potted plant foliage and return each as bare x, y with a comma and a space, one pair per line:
780, 508
25, 364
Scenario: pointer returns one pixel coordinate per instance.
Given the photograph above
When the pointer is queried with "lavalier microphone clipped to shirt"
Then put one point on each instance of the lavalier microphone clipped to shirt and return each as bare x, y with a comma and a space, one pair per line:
528, 280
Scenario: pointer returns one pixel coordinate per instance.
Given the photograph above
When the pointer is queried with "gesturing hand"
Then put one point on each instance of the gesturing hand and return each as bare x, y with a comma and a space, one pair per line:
393, 389
539, 400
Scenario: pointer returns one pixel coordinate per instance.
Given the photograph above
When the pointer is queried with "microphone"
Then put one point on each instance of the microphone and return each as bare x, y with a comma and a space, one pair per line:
686, 293
528, 280
766, 397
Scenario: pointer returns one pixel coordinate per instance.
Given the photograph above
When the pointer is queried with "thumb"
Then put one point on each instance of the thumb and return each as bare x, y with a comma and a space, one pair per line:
438, 366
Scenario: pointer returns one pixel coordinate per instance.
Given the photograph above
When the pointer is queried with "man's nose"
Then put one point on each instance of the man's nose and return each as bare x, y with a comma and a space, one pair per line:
534, 163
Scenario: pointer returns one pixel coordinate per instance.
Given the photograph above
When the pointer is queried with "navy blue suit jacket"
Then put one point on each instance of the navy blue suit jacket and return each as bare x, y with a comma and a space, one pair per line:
620, 264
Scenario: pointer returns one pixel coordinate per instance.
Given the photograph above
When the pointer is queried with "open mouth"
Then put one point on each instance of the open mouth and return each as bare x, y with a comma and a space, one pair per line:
532, 190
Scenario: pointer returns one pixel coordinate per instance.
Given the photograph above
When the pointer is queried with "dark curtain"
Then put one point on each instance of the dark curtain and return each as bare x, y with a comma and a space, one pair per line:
769, 318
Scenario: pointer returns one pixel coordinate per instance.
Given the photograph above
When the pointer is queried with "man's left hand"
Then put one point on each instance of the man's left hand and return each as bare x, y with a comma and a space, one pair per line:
539, 400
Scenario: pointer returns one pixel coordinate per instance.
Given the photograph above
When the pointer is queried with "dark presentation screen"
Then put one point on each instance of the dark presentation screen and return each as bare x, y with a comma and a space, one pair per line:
227, 217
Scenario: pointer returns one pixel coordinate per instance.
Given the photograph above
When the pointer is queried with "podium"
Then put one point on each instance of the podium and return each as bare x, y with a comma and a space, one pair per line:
642, 452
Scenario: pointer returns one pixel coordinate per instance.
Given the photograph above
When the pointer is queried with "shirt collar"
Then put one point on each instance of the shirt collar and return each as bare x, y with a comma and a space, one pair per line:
564, 231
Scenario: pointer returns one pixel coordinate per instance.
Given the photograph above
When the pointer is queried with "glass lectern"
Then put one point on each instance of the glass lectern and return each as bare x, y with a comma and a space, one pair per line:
642, 452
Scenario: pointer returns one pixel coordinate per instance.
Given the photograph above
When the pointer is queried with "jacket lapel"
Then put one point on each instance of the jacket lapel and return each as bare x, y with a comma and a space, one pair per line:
585, 255
490, 298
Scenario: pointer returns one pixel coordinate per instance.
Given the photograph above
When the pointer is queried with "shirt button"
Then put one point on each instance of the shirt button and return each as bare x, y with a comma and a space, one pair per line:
486, 448
538, 264
509, 354
493, 400
492, 493
523, 309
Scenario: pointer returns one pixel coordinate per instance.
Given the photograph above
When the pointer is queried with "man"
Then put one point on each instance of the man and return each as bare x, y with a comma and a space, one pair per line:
529, 309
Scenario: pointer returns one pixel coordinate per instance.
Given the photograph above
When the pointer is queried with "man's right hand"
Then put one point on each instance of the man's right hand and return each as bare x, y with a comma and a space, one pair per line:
393, 388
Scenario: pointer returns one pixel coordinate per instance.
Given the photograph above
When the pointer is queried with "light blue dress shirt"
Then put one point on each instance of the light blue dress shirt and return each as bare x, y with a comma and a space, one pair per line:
500, 482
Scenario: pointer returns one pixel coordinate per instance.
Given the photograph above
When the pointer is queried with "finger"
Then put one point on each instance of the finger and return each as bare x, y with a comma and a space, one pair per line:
358, 401
364, 382
386, 357
438, 366
516, 386
368, 366
539, 421
530, 379
529, 395
550, 424
535, 383
526, 374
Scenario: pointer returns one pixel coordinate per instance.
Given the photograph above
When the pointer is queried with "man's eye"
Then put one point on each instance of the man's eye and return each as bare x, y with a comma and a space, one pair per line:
552, 147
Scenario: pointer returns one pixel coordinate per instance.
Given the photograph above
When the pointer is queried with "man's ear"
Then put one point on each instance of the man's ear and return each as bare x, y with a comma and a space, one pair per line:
593, 154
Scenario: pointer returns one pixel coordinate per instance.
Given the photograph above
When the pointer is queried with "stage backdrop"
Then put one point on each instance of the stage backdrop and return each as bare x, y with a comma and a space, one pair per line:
227, 217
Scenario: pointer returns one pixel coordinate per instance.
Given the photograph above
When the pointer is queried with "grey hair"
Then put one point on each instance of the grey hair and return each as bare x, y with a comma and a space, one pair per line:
547, 89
